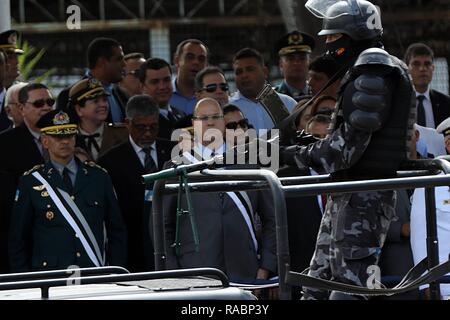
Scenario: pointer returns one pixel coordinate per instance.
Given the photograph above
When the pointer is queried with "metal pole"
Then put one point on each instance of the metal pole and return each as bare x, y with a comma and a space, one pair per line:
5, 15
157, 231
432, 239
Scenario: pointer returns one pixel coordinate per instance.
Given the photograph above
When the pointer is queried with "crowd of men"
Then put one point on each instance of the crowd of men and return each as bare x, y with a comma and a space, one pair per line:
71, 187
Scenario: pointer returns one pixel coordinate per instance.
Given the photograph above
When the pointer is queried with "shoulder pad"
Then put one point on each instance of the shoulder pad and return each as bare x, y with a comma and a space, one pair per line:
94, 165
35, 168
374, 56
117, 125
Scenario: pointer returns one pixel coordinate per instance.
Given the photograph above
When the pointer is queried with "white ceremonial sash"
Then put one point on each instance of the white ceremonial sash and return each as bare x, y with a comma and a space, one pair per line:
95, 260
239, 205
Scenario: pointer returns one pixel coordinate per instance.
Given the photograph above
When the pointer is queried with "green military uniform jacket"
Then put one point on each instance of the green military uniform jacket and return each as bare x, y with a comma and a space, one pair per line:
42, 239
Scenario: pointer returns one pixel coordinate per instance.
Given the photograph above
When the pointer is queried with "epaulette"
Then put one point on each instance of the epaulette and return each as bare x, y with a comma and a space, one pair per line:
117, 125
94, 165
35, 168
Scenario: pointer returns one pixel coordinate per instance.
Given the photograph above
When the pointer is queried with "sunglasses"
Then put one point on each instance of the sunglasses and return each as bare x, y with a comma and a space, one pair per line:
42, 102
213, 87
234, 125
206, 118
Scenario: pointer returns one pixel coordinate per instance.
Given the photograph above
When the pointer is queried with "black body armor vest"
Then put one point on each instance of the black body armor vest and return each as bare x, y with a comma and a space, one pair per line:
389, 145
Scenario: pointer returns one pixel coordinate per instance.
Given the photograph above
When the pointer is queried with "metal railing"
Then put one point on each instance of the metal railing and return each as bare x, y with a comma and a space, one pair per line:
421, 174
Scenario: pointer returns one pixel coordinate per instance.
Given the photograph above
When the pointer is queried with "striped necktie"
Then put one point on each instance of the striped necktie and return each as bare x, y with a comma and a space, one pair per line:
149, 163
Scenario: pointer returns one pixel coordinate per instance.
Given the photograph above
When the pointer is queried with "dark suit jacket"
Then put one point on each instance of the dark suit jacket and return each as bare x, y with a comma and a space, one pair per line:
224, 238
20, 154
5, 123
125, 169
113, 135
304, 217
396, 256
166, 126
118, 93
441, 106
42, 239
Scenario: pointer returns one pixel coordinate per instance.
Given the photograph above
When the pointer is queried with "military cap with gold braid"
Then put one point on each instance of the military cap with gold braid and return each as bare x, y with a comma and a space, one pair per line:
8, 42
86, 89
295, 41
444, 127
57, 123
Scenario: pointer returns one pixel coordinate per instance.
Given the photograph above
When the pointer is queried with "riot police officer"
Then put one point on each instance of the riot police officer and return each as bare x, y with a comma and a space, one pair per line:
369, 138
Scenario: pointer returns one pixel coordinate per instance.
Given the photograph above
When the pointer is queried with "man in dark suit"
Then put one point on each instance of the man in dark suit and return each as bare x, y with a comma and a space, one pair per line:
143, 153
155, 76
5, 123
9, 70
229, 238
433, 107
23, 150
106, 64
65, 212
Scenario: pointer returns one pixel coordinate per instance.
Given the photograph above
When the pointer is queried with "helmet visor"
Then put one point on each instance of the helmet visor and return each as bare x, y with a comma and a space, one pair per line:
331, 9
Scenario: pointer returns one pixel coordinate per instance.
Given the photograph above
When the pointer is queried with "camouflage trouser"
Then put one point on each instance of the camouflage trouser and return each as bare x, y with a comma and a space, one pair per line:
352, 232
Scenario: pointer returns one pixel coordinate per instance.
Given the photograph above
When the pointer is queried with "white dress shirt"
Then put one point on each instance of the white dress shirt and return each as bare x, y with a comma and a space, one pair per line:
141, 154
419, 228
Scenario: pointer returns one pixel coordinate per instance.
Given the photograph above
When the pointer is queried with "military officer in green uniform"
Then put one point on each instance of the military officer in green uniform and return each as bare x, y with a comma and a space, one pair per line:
65, 212
294, 51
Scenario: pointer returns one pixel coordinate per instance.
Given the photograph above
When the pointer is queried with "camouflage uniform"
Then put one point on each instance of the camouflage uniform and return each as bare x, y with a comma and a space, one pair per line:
354, 226
370, 137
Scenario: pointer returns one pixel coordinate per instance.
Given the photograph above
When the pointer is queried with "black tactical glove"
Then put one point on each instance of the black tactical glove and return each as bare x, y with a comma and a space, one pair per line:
303, 138
287, 155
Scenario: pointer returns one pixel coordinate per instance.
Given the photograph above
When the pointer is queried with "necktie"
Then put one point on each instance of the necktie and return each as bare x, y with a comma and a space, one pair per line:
67, 180
149, 163
91, 142
421, 111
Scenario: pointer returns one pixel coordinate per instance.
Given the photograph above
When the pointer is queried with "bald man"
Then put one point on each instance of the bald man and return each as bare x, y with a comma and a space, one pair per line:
209, 128
229, 238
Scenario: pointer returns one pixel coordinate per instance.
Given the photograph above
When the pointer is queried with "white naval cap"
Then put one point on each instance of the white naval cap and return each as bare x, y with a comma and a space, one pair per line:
444, 127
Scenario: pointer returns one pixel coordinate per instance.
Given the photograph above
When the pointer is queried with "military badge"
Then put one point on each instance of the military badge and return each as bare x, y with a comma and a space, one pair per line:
12, 39
61, 118
295, 38
93, 83
39, 188
44, 194
50, 215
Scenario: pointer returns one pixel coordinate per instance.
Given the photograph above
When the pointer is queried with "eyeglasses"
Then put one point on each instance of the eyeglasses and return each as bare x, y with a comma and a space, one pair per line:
143, 128
213, 87
206, 118
134, 73
42, 102
241, 123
